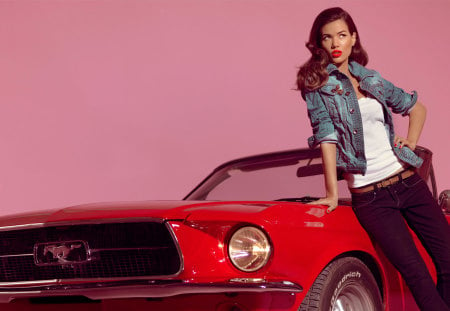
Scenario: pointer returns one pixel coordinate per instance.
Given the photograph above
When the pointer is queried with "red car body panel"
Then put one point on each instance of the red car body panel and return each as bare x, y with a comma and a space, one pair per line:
304, 237
209, 224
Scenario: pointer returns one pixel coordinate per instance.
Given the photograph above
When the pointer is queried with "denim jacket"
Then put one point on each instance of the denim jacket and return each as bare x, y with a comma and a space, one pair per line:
335, 116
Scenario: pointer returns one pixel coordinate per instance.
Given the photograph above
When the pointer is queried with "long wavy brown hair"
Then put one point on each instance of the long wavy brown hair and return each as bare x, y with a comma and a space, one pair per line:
313, 73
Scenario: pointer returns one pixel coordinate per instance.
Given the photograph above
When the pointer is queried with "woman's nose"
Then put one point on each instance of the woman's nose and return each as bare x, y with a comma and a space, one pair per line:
334, 43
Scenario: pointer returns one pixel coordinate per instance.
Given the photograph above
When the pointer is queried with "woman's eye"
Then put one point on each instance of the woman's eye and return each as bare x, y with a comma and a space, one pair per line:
342, 35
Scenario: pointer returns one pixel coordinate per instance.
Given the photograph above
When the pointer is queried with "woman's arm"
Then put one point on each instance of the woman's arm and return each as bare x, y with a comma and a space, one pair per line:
329, 168
416, 121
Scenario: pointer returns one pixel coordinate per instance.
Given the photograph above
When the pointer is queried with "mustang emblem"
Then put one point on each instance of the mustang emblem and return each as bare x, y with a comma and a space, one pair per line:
61, 253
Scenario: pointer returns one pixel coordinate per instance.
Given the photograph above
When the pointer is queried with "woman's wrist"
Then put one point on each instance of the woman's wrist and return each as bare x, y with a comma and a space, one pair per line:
332, 196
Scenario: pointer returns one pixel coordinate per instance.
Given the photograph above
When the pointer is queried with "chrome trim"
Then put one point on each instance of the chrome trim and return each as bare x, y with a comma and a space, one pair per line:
93, 250
98, 250
19, 227
13, 285
177, 245
156, 289
81, 222
68, 282
17, 255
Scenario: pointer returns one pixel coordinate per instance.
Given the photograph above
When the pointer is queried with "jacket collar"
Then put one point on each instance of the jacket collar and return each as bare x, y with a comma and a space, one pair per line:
359, 71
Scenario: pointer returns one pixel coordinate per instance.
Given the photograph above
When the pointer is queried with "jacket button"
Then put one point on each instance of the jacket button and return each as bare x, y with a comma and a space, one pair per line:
355, 131
352, 111
347, 93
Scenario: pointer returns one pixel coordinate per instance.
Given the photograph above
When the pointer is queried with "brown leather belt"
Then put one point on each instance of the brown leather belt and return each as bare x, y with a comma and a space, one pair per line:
385, 182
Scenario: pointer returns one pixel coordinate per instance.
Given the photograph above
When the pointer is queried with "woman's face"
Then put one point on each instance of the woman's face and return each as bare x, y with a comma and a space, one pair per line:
337, 41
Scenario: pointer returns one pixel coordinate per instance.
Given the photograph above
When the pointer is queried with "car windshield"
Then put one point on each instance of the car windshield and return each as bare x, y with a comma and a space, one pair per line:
293, 175
289, 177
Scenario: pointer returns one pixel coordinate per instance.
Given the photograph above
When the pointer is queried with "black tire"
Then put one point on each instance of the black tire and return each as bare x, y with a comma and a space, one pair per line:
346, 284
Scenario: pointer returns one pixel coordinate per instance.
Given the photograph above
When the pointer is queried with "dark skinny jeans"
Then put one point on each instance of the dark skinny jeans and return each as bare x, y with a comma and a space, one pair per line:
383, 213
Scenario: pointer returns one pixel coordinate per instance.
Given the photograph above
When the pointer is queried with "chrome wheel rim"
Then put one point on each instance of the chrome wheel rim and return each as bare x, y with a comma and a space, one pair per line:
353, 297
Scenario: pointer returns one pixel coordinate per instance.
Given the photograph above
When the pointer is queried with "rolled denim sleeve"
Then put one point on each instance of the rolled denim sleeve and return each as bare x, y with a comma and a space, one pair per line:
400, 101
321, 123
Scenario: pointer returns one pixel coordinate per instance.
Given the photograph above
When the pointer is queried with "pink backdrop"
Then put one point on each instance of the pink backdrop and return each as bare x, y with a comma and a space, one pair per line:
134, 100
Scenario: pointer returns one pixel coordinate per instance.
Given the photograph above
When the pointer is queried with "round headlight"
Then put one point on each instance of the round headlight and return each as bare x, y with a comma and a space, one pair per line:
249, 249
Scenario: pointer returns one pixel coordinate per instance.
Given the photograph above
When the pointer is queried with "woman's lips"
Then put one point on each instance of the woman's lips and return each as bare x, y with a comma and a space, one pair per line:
336, 53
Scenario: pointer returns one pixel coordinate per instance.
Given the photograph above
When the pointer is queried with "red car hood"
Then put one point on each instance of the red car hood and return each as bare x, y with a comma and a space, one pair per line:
151, 209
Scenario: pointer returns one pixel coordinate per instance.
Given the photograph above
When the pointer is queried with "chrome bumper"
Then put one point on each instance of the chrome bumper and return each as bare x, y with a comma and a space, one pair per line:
144, 289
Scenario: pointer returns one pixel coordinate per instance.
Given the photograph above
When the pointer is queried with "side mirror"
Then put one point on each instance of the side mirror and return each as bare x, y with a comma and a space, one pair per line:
444, 200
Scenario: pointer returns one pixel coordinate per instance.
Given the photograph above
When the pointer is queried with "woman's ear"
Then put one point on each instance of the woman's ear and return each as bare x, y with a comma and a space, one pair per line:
354, 38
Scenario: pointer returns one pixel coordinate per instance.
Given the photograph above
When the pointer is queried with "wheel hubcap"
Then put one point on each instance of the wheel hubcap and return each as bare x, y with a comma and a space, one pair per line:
353, 297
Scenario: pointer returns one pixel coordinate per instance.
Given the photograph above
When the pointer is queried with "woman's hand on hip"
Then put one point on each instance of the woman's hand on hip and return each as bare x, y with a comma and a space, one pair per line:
331, 202
401, 141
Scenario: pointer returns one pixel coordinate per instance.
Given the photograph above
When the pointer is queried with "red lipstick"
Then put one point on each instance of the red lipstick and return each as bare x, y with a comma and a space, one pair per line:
336, 53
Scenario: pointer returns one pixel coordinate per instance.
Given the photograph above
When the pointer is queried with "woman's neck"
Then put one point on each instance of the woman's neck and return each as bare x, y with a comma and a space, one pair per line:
343, 67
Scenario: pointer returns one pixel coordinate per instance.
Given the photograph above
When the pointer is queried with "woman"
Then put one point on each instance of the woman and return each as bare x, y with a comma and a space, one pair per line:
350, 111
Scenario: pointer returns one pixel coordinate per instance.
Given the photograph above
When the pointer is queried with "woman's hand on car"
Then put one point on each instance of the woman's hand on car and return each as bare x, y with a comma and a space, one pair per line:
331, 202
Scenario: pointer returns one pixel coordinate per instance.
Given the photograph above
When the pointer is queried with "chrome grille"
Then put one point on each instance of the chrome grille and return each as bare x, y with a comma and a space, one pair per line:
135, 249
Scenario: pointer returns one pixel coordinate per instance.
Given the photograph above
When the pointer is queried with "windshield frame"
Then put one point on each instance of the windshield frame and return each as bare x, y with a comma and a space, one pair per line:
288, 157
266, 160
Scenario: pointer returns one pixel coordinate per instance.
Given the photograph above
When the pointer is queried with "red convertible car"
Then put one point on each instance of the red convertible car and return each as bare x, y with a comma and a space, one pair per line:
243, 239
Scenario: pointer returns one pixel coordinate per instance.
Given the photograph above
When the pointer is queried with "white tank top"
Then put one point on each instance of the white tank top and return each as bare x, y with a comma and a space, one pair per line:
381, 160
